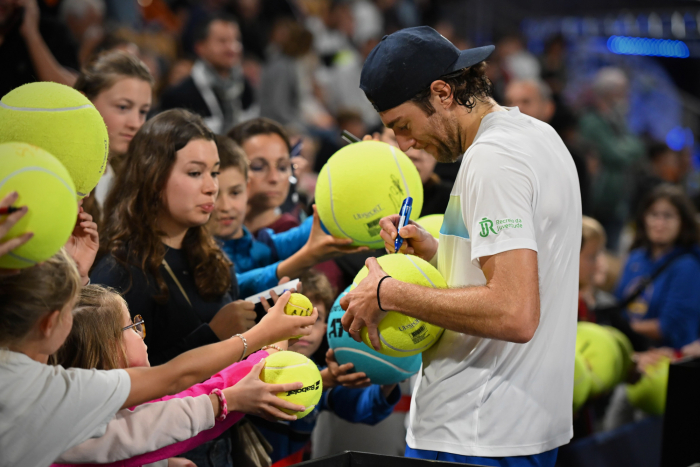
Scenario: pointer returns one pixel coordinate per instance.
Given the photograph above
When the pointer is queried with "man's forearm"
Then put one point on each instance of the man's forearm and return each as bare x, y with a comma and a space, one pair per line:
45, 64
479, 311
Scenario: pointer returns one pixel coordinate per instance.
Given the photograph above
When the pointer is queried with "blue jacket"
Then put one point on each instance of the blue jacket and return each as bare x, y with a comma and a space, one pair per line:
673, 298
366, 405
256, 260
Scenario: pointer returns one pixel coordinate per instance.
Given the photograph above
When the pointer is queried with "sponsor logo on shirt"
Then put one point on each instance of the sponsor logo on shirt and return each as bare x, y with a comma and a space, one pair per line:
487, 225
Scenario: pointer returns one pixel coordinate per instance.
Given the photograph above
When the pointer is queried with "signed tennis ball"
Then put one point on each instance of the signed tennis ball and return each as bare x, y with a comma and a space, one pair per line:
601, 354
582, 382
432, 224
649, 394
298, 305
291, 367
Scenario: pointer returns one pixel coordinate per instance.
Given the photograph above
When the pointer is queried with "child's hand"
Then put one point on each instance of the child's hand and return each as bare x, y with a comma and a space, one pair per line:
387, 389
321, 247
6, 223
180, 462
273, 295
83, 244
335, 374
233, 318
276, 325
252, 396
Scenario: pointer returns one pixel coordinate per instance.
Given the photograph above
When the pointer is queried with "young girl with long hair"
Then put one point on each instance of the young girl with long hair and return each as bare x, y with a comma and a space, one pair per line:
105, 337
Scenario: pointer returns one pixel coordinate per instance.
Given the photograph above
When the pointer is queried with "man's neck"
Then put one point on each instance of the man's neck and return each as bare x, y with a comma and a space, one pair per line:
470, 120
223, 72
261, 219
174, 233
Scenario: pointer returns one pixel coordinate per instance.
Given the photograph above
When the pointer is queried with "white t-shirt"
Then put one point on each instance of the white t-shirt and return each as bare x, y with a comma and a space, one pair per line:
517, 188
45, 410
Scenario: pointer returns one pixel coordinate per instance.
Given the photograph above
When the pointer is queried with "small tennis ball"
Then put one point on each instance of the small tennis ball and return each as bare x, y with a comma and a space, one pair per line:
380, 369
62, 121
401, 335
582, 382
291, 367
649, 394
362, 183
44, 186
432, 224
601, 354
298, 305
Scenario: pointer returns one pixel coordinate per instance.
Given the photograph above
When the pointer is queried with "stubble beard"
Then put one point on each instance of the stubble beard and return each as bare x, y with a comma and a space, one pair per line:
446, 140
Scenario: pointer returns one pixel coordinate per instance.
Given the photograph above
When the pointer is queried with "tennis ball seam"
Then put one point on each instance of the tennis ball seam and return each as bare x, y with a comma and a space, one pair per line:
330, 191
373, 357
416, 350
420, 270
37, 109
38, 169
21, 258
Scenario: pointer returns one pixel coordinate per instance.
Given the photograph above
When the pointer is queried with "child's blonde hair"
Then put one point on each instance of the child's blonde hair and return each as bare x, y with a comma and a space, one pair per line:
26, 297
96, 339
318, 288
592, 230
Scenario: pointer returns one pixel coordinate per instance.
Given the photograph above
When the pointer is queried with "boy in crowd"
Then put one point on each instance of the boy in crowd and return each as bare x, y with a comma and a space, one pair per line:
260, 263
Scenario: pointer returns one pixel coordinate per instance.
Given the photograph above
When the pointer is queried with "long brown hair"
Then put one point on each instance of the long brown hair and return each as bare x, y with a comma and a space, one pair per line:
96, 339
689, 234
131, 232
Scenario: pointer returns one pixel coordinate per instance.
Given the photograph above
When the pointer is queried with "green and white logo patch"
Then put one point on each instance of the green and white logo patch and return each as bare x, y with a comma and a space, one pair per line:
489, 227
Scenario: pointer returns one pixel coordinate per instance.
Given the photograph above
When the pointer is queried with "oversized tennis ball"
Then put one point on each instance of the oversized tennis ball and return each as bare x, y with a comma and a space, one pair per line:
44, 186
291, 367
362, 183
62, 121
432, 224
626, 350
649, 394
601, 354
401, 335
298, 305
582, 382
380, 369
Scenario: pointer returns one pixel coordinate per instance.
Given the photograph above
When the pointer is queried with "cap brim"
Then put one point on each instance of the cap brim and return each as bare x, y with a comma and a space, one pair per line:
471, 57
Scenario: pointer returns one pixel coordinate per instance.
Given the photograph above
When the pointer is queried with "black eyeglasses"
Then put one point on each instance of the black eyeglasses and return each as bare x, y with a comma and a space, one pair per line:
138, 326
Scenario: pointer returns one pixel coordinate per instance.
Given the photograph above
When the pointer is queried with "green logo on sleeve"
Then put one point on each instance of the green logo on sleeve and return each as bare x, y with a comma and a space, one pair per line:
486, 227
501, 224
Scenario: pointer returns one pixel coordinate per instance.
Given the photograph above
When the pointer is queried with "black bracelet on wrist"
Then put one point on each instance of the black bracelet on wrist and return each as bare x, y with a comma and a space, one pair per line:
378, 285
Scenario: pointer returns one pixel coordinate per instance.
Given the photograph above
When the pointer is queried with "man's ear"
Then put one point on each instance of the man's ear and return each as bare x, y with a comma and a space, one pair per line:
441, 93
49, 322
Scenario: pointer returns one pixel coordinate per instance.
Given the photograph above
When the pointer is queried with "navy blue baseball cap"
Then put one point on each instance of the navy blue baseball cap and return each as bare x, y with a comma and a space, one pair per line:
407, 61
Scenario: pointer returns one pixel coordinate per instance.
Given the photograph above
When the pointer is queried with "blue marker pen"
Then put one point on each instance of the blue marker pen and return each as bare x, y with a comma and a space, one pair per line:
405, 215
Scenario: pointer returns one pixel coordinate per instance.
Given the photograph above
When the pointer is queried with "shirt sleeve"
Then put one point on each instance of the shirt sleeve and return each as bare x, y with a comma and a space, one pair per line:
366, 405
145, 429
289, 242
498, 209
257, 280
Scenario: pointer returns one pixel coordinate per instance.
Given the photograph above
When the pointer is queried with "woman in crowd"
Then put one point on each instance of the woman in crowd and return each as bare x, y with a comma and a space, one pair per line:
121, 87
668, 310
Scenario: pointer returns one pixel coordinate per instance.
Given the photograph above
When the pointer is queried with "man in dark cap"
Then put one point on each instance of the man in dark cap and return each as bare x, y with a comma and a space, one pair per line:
497, 388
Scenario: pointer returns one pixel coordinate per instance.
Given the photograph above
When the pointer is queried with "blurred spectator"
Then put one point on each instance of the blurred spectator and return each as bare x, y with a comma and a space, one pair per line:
34, 48
668, 310
84, 19
287, 83
553, 64
534, 98
605, 127
216, 88
663, 166
436, 193
255, 18
592, 249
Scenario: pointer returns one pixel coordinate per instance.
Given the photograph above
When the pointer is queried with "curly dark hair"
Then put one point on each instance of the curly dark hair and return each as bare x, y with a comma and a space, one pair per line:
131, 233
689, 234
468, 85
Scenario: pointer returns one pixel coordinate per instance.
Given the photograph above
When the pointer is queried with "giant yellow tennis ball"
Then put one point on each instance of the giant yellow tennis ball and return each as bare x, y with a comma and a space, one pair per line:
291, 367
44, 186
362, 183
298, 305
601, 354
582, 382
401, 335
626, 350
62, 121
432, 223
649, 394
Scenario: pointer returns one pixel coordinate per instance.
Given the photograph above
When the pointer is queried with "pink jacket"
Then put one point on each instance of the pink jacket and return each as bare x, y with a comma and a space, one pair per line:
226, 378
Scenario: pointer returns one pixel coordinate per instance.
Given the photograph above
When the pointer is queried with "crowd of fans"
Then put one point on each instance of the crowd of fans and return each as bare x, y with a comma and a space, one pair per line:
277, 81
